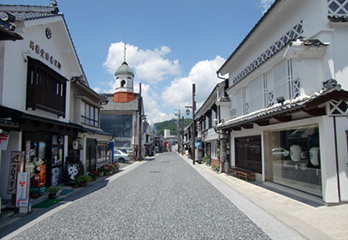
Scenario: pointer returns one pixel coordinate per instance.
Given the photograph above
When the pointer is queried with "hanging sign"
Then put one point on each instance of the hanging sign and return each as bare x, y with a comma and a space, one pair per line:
3, 141
14, 169
22, 194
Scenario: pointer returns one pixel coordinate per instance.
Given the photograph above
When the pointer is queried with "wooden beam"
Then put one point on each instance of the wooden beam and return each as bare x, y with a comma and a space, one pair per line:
236, 128
247, 125
283, 118
262, 122
316, 111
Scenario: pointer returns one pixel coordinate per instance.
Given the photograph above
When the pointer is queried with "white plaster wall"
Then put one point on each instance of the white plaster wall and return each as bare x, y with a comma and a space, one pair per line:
311, 75
328, 160
128, 86
342, 148
225, 113
14, 144
15, 65
340, 59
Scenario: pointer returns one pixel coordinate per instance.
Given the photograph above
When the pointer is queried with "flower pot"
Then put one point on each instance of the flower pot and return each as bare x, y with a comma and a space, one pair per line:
83, 184
52, 196
101, 174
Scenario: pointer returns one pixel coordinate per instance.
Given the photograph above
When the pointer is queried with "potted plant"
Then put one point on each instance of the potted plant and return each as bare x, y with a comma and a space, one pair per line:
116, 167
83, 179
53, 192
208, 160
101, 170
93, 174
216, 167
108, 169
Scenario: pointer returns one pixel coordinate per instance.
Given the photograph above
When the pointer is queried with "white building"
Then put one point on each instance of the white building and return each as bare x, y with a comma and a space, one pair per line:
50, 111
288, 89
123, 114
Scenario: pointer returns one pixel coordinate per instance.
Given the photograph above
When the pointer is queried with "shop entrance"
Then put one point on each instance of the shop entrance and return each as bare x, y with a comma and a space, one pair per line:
44, 156
91, 155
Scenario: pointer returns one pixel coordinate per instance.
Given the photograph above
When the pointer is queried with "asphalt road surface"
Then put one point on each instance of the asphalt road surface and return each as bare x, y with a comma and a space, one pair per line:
162, 198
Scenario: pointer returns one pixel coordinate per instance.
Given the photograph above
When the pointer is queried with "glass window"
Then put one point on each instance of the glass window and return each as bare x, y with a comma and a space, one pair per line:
102, 152
296, 158
89, 114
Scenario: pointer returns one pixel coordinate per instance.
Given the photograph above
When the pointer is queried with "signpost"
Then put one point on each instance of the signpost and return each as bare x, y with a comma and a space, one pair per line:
22, 193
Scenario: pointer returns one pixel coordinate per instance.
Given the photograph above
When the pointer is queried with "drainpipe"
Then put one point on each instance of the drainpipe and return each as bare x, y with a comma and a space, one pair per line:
218, 76
337, 160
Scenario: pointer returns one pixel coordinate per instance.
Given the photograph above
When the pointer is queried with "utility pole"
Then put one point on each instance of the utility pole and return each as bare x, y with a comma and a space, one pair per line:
182, 136
179, 142
140, 124
193, 124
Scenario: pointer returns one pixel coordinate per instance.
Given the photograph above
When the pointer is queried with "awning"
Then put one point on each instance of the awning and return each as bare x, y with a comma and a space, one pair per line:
7, 124
197, 144
97, 131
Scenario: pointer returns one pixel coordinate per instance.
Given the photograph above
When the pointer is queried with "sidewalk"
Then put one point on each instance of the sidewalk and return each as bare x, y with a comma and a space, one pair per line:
305, 214
9, 216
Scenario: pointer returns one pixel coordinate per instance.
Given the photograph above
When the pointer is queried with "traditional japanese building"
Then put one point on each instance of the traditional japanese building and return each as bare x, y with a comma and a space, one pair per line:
123, 114
48, 113
288, 89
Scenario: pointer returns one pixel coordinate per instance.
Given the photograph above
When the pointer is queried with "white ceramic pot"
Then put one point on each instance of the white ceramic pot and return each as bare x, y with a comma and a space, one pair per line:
295, 153
314, 156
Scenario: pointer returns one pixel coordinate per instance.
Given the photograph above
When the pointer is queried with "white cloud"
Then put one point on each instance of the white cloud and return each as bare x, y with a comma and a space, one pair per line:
150, 66
265, 4
151, 98
203, 74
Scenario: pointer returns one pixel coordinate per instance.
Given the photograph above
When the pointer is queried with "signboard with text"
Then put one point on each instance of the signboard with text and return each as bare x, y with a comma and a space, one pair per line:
3, 141
22, 193
14, 169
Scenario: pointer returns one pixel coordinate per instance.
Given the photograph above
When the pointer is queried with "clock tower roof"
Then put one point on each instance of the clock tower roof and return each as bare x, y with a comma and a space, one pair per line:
124, 69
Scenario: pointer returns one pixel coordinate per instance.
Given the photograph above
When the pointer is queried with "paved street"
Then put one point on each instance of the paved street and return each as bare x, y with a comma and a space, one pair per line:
161, 198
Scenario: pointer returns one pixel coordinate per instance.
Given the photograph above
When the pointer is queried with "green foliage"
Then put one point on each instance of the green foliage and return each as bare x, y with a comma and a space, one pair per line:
83, 178
53, 189
172, 125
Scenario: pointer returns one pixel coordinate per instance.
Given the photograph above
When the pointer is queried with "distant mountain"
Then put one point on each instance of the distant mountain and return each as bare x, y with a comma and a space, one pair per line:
172, 125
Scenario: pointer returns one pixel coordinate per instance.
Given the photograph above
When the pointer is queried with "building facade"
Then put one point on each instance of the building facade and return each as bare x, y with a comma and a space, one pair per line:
42, 89
288, 89
123, 114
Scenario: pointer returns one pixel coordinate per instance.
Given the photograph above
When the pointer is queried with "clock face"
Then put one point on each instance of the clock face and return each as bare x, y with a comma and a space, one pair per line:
48, 33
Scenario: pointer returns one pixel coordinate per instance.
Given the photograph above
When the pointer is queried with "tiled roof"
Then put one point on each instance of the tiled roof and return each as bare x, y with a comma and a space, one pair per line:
115, 106
285, 107
26, 12
343, 18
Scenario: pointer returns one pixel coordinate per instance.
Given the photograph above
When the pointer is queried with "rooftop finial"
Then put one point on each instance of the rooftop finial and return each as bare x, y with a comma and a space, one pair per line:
125, 50
54, 3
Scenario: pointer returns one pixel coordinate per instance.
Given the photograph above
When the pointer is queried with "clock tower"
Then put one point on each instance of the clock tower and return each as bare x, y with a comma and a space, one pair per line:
124, 84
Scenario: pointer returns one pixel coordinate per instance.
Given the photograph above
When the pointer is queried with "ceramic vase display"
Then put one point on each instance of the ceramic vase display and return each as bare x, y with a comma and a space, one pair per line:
314, 156
295, 153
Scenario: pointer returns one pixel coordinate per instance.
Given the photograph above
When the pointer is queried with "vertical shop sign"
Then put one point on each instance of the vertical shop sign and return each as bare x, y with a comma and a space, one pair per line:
3, 141
23, 184
27, 152
15, 165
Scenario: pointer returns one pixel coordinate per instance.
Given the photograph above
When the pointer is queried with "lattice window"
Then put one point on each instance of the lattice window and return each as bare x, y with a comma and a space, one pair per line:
270, 99
268, 95
338, 108
233, 113
337, 7
294, 33
295, 88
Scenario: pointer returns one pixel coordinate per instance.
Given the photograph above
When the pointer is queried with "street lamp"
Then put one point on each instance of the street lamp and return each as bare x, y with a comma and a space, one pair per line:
193, 121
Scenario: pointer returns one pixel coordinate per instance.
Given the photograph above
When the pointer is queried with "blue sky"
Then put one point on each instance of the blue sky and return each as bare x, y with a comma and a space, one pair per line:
170, 44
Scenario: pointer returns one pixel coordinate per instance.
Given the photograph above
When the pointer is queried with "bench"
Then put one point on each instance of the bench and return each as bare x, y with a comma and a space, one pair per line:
242, 173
